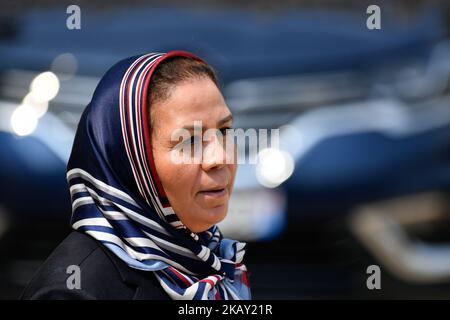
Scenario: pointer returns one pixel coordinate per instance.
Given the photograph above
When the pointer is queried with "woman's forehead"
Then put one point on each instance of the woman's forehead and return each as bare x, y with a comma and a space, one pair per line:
193, 101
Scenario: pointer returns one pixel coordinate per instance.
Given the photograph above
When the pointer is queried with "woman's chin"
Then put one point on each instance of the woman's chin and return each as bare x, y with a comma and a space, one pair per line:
212, 216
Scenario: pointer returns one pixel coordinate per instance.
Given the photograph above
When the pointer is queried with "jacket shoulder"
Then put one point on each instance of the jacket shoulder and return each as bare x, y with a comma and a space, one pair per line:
81, 268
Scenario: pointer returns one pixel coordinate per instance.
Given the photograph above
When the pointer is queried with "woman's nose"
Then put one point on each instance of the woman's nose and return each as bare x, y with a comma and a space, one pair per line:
214, 155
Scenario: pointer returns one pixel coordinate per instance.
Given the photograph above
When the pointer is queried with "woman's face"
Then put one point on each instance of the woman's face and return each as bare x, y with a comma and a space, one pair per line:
198, 191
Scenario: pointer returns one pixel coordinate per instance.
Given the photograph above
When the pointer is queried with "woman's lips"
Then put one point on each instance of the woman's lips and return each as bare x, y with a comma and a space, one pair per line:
214, 193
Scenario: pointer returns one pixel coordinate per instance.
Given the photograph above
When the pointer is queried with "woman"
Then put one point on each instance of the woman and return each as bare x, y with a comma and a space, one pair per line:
144, 224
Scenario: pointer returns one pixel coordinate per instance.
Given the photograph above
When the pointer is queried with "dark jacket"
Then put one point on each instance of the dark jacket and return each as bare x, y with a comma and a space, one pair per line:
102, 275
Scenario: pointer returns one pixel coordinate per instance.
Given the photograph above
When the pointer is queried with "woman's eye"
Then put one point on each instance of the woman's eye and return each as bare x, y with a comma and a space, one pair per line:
224, 130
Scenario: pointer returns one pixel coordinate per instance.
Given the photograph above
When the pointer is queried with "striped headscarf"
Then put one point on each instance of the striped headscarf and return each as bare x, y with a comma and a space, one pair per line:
118, 199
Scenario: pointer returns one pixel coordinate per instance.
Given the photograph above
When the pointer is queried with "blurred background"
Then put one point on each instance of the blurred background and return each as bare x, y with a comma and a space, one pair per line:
362, 176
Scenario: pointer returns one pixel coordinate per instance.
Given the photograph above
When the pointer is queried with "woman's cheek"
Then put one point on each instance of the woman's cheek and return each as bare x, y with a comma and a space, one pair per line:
182, 176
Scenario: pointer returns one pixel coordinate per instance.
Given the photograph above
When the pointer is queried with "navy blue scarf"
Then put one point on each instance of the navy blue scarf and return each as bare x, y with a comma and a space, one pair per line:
118, 199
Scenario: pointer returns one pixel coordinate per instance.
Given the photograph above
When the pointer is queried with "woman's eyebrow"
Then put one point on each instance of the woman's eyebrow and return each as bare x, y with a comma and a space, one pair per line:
219, 123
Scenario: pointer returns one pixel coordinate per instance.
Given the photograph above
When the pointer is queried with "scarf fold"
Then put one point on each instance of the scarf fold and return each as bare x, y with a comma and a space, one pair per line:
118, 199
